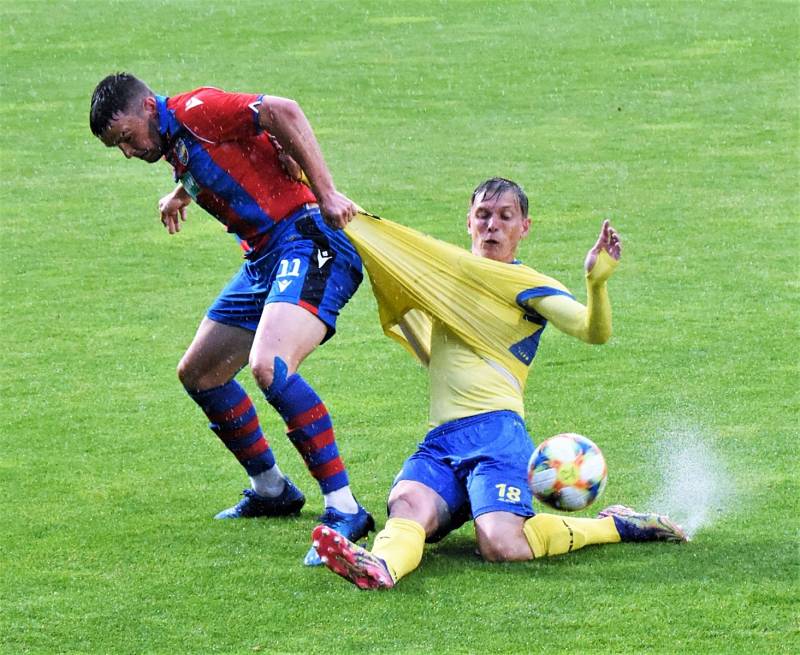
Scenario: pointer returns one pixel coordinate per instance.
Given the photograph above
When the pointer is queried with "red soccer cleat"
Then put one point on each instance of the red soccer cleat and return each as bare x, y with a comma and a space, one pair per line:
351, 561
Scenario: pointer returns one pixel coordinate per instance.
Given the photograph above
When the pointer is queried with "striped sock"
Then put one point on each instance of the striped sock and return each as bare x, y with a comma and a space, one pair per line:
233, 418
310, 430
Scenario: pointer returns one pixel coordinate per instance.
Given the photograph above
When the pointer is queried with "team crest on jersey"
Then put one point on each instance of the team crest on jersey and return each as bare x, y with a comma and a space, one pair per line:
182, 152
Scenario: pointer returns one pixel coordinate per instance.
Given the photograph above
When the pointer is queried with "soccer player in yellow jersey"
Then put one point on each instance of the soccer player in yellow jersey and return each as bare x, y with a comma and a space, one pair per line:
473, 463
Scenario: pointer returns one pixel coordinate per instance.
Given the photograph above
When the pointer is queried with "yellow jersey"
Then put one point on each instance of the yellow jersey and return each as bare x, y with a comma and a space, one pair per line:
466, 317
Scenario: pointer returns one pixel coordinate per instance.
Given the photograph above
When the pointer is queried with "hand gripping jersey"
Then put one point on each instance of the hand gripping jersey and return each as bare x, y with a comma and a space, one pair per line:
226, 162
463, 315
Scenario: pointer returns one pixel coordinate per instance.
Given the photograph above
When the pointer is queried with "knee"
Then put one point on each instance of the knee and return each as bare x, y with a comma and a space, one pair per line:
187, 373
496, 544
263, 370
270, 372
407, 505
492, 545
194, 376
495, 551
403, 506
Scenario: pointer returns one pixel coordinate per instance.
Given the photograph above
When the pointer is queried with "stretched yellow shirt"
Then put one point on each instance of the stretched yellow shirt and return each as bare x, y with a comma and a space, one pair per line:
468, 318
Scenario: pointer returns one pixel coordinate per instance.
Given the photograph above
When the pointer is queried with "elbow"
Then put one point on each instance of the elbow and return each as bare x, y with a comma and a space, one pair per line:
598, 328
599, 337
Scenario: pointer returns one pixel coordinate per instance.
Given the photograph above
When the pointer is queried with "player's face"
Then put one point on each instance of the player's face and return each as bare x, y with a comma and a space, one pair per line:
136, 134
496, 226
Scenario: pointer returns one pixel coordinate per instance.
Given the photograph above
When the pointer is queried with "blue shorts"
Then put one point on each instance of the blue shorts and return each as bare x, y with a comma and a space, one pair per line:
306, 263
477, 464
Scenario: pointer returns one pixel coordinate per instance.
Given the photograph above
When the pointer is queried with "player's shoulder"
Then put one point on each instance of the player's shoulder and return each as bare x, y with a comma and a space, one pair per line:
206, 110
534, 279
508, 279
183, 103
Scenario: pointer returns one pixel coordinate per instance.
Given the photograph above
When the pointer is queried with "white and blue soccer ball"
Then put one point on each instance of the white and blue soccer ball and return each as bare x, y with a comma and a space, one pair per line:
567, 472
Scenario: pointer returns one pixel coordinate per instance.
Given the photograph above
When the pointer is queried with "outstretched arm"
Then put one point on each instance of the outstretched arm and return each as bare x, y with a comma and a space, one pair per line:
590, 323
285, 120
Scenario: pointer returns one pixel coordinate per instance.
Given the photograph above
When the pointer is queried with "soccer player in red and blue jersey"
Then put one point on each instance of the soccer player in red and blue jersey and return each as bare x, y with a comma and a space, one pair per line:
230, 154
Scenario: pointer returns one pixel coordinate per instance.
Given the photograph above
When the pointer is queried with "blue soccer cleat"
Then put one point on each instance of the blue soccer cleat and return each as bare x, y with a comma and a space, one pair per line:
350, 526
635, 526
290, 501
351, 561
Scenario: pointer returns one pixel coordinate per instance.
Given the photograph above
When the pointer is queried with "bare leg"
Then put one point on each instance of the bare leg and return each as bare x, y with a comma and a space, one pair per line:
216, 354
286, 331
417, 502
500, 537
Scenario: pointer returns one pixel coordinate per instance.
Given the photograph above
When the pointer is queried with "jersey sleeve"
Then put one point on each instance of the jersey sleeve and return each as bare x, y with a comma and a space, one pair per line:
216, 116
590, 323
526, 299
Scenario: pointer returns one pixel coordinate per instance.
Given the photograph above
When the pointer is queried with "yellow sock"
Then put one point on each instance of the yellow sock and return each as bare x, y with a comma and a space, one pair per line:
549, 534
400, 545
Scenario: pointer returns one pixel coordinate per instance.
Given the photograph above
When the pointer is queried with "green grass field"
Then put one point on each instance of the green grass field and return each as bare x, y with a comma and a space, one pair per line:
677, 119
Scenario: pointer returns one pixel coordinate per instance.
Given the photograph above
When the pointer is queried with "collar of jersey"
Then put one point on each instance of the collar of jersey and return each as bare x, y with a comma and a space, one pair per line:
168, 125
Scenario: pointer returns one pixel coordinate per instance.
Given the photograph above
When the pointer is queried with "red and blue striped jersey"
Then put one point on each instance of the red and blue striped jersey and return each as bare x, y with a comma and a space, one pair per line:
227, 163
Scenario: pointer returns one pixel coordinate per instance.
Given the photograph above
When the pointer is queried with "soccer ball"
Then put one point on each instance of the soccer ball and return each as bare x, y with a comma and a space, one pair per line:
567, 472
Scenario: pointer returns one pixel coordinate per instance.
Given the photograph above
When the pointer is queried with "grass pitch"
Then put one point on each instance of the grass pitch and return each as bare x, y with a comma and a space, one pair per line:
679, 120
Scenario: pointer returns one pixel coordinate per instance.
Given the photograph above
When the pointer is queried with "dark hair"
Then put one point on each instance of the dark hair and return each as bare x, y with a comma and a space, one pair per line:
496, 186
115, 94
